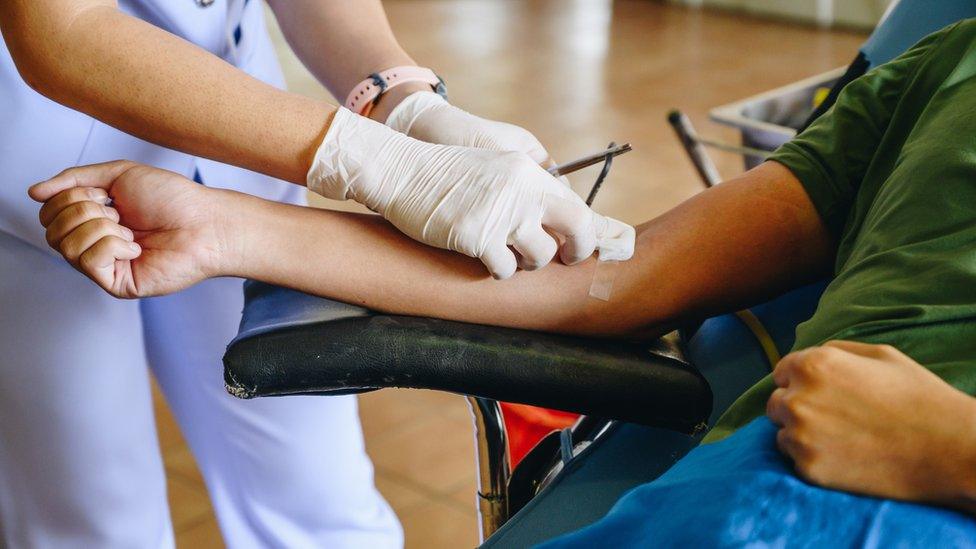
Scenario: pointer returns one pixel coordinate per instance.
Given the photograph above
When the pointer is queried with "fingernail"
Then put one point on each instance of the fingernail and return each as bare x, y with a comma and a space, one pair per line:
109, 212
128, 233
134, 247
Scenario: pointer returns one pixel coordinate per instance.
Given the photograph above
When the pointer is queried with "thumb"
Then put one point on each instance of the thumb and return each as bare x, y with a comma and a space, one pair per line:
94, 175
536, 151
614, 239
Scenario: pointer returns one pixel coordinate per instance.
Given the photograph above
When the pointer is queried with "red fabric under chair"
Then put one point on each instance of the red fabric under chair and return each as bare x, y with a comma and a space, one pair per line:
526, 425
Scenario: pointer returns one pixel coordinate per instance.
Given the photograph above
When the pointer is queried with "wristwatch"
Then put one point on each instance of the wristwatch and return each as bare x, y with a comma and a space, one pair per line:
367, 93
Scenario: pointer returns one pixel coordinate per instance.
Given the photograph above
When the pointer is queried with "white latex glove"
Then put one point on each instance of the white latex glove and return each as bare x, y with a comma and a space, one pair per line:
429, 117
473, 201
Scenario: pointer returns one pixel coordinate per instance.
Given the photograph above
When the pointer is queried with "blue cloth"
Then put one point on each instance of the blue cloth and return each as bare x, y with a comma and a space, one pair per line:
742, 492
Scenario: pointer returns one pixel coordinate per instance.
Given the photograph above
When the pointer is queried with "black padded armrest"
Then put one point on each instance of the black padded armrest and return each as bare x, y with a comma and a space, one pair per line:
292, 343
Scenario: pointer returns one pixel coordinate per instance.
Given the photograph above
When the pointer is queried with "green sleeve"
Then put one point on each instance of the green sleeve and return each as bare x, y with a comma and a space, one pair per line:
831, 157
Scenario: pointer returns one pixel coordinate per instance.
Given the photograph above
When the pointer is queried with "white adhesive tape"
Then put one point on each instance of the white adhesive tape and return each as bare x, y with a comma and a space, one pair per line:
603, 277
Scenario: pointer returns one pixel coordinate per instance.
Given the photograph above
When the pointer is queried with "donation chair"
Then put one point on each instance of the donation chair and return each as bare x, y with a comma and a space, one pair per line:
645, 405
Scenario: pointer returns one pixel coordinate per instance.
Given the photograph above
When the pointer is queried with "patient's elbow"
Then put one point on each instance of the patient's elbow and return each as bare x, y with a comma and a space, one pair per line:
34, 75
36, 66
43, 49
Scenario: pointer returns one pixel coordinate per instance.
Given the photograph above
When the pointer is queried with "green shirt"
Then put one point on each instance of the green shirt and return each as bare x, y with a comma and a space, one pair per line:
891, 169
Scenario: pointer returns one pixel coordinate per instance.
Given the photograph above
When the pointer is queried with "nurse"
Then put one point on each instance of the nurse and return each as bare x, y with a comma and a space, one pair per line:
193, 86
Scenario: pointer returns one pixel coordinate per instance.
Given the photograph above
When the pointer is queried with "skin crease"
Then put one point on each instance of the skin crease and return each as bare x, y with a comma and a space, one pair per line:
166, 233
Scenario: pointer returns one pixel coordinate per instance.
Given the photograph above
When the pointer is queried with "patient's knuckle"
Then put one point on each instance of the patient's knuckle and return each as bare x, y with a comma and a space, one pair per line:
87, 260
774, 403
794, 407
801, 444
888, 351
68, 249
85, 209
826, 354
819, 361
78, 194
67, 172
103, 225
86, 263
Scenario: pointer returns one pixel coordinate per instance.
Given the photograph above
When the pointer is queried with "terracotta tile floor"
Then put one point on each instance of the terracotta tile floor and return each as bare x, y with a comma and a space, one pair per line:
578, 73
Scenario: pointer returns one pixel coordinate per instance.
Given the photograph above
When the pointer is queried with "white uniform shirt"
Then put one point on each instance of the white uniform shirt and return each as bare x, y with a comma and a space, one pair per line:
40, 137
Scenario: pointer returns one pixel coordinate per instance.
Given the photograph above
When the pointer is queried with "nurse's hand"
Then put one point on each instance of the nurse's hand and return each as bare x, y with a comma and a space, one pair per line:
869, 419
429, 117
473, 201
158, 236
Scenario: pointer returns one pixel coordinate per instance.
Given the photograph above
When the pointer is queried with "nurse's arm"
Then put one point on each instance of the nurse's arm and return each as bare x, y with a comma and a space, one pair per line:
733, 245
88, 55
341, 42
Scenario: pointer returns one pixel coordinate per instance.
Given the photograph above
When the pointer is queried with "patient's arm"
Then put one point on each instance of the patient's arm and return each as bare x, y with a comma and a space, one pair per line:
728, 247
732, 245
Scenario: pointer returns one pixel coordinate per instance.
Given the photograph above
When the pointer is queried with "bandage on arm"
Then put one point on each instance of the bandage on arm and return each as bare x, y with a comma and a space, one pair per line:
743, 241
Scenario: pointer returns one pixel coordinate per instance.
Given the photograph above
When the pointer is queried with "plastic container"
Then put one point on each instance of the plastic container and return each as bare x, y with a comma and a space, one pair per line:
771, 118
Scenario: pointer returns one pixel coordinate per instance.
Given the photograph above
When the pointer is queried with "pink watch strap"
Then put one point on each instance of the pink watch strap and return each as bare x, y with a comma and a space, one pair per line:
362, 98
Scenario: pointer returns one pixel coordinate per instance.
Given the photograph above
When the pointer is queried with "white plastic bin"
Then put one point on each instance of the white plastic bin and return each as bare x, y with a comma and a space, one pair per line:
771, 118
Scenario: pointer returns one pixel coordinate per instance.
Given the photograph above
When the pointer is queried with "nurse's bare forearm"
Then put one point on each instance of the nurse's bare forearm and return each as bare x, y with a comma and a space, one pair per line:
728, 247
341, 42
154, 85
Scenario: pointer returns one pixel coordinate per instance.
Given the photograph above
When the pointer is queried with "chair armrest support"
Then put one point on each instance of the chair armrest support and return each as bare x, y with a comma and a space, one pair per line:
352, 351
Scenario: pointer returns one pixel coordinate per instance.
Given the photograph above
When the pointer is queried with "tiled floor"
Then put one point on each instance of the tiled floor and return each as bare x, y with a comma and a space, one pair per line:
578, 73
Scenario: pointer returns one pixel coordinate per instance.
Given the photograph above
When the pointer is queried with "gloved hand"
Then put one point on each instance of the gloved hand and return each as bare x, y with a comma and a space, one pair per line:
473, 201
429, 117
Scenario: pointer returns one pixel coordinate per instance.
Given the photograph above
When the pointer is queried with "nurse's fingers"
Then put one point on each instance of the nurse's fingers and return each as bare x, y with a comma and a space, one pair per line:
615, 240
94, 175
574, 221
98, 262
500, 261
63, 199
73, 216
88, 233
535, 247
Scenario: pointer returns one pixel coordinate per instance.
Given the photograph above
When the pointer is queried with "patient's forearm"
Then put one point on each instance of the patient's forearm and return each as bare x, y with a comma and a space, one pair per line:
727, 247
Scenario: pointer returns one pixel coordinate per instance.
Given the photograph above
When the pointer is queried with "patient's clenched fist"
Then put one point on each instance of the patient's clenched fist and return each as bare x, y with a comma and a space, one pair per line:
869, 419
136, 231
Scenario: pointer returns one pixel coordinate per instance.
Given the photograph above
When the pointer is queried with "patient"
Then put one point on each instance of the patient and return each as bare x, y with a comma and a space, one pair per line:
876, 400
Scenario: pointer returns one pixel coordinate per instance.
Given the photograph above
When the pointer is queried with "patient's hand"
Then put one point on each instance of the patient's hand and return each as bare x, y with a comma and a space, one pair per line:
158, 236
869, 419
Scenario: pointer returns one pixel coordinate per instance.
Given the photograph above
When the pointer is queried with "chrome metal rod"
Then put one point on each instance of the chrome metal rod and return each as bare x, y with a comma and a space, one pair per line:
699, 157
491, 448
738, 149
595, 158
